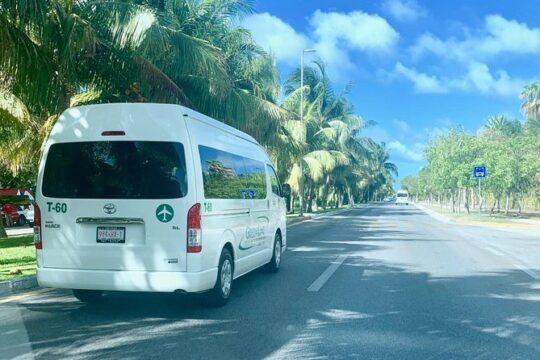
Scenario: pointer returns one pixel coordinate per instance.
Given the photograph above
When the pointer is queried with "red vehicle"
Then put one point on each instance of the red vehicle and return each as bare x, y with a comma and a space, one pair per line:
16, 206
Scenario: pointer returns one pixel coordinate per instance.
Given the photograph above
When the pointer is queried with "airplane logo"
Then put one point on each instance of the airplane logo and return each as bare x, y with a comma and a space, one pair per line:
164, 213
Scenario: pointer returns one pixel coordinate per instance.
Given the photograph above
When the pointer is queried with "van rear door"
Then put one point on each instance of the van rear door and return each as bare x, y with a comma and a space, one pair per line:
115, 205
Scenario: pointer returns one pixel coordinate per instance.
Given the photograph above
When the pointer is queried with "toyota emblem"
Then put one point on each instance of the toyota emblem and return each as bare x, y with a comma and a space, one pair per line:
109, 209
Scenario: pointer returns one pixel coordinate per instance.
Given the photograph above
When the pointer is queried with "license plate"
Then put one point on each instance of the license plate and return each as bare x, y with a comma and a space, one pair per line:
111, 234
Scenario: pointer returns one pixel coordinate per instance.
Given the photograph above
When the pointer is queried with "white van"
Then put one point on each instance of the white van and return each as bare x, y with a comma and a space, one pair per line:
402, 197
153, 197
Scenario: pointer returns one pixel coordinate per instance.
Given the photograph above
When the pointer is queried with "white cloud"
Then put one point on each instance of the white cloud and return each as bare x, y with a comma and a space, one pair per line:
356, 29
478, 78
401, 152
275, 35
402, 125
403, 10
334, 35
498, 36
423, 83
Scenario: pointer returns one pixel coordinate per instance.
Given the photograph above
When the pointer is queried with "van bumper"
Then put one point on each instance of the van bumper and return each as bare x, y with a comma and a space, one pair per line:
151, 281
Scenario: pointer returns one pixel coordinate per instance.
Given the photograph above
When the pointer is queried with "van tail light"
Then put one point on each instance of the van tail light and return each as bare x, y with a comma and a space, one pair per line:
37, 228
194, 241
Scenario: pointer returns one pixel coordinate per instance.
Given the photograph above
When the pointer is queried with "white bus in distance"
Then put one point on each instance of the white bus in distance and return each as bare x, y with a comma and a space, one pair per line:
154, 197
402, 197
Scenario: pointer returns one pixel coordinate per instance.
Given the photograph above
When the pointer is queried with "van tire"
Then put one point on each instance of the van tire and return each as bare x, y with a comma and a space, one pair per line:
221, 292
275, 262
22, 220
87, 296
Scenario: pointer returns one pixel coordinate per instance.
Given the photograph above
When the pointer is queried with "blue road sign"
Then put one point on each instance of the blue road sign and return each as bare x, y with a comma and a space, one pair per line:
479, 172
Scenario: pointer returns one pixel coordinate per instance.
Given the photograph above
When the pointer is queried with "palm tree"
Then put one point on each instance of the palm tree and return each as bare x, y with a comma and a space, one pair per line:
54, 54
327, 125
379, 169
500, 126
531, 100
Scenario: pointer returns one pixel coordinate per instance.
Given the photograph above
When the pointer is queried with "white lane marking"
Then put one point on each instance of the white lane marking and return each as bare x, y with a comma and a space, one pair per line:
494, 251
330, 270
529, 272
520, 265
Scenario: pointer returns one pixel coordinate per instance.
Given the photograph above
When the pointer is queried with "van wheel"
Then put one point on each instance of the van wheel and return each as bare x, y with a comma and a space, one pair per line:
221, 292
273, 265
21, 221
87, 296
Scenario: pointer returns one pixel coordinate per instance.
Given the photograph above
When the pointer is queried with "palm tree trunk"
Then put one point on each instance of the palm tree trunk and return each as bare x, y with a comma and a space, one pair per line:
3, 233
310, 198
291, 202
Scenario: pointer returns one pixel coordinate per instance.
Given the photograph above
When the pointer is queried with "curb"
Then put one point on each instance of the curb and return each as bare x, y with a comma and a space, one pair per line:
16, 285
442, 218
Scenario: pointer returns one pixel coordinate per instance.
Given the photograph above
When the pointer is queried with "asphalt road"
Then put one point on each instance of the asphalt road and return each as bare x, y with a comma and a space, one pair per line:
382, 281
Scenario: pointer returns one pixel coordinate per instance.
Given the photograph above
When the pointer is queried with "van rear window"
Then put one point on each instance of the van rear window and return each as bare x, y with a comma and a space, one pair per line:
115, 170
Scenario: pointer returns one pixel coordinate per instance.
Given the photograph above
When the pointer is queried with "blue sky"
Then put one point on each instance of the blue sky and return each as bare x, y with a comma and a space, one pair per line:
418, 67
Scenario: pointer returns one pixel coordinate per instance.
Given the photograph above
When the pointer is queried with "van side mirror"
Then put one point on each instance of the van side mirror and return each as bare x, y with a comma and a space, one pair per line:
286, 190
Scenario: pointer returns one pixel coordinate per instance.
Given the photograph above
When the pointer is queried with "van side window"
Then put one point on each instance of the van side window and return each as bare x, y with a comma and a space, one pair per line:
230, 176
223, 174
276, 187
255, 179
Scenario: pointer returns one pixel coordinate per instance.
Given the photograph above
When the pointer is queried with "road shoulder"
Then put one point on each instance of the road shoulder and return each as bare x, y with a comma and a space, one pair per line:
437, 216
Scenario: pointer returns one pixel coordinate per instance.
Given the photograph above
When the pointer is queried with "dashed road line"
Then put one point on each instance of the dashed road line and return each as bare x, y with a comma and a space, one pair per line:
325, 276
520, 265
494, 251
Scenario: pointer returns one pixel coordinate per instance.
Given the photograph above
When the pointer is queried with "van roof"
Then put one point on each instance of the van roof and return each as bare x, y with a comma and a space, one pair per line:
186, 112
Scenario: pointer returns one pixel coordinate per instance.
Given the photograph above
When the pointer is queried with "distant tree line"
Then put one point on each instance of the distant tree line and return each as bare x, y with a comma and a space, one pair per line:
510, 149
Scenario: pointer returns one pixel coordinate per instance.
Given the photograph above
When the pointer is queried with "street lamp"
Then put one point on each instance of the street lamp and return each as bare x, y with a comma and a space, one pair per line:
302, 120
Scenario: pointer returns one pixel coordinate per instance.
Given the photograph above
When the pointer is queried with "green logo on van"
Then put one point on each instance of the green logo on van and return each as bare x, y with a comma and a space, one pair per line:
164, 213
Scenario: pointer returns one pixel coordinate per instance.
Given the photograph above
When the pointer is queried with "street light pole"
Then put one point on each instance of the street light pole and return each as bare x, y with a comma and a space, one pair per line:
302, 120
